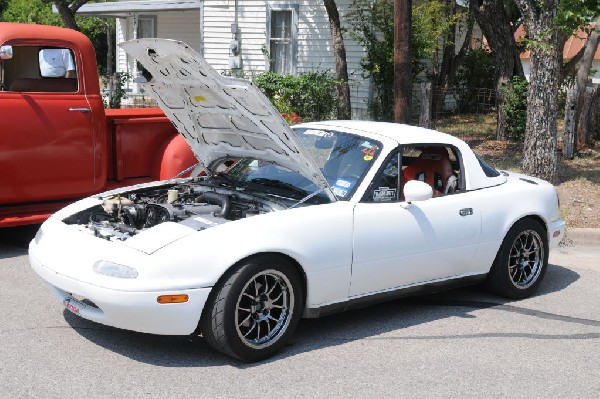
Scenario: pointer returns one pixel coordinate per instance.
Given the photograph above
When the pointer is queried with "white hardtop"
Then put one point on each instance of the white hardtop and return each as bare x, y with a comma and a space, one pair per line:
392, 135
220, 117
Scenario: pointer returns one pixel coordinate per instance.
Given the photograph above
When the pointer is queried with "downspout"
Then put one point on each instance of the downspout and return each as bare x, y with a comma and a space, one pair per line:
201, 23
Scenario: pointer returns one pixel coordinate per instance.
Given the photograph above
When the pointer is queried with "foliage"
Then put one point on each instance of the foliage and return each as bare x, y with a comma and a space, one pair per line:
31, 12
573, 14
372, 25
118, 93
431, 22
516, 109
39, 12
311, 96
476, 72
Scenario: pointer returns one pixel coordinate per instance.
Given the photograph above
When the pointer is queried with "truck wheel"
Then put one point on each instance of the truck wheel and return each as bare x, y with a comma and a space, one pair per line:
254, 312
521, 261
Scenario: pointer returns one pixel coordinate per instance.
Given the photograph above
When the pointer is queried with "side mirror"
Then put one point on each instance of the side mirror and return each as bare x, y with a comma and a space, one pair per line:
416, 190
6, 52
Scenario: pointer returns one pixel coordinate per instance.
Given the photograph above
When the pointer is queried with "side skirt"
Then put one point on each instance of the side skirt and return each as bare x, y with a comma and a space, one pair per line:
368, 300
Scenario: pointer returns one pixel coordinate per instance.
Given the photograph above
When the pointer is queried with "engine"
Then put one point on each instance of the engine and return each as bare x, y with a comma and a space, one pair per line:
123, 216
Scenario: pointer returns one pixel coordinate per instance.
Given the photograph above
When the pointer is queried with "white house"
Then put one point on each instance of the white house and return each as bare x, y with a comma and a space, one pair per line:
240, 36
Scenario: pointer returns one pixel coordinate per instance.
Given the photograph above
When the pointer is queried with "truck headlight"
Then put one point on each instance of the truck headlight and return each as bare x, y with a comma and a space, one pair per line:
114, 269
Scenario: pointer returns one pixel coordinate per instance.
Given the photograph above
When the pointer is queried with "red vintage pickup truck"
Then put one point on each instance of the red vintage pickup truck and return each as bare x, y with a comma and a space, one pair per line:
57, 142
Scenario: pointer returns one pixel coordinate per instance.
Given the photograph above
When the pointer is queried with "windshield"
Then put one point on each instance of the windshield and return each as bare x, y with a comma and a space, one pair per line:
273, 179
343, 158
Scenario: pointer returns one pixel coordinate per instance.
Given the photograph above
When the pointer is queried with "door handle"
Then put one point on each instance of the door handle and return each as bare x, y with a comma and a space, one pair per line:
80, 109
466, 211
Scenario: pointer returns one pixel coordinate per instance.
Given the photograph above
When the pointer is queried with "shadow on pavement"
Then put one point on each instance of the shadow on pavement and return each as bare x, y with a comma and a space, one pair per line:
315, 334
15, 240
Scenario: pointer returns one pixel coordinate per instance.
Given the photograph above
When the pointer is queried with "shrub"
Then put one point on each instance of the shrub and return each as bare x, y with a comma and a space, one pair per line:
476, 72
310, 96
516, 109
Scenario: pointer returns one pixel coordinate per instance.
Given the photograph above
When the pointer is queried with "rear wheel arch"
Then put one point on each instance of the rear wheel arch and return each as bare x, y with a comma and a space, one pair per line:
525, 247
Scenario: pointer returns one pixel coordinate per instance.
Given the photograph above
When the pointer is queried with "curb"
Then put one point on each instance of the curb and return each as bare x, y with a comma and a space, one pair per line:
583, 235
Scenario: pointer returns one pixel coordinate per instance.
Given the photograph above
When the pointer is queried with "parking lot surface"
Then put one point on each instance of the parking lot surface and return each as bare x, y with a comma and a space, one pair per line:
459, 343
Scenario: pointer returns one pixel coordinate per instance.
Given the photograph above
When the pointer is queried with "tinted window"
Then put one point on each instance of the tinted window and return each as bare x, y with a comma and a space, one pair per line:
487, 169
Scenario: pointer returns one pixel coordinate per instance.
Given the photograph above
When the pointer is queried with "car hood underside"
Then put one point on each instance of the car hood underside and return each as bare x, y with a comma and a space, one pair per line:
219, 116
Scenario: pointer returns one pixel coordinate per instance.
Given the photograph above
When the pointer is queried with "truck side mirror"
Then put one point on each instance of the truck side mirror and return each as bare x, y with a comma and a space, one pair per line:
6, 52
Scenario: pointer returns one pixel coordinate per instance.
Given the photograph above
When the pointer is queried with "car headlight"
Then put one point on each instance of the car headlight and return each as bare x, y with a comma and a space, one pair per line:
114, 269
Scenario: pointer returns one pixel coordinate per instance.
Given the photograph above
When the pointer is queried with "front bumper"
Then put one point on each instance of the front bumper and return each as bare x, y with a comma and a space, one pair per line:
135, 311
556, 232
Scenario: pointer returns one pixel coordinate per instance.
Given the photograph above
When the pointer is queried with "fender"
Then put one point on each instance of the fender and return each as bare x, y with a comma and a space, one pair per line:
172, 156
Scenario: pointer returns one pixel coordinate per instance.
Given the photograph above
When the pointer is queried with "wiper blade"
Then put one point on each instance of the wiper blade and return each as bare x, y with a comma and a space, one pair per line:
278, 184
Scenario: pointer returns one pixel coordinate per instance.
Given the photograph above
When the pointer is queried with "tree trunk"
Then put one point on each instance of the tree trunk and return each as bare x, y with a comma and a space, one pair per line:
426, 101
495, 25
402, 60
445, 79
540, 157
582, 80
66, 10
569, 132
341, 66
588, 118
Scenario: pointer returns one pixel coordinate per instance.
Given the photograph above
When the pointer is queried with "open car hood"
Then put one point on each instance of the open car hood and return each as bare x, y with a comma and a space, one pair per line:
218, 116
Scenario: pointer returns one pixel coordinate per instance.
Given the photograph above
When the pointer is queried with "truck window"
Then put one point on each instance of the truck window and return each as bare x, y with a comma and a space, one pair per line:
41, 69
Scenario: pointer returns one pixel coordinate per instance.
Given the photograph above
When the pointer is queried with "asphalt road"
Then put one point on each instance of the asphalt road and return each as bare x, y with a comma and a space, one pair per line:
461, 343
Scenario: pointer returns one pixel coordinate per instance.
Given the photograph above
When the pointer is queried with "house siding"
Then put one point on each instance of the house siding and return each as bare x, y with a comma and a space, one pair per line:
314, 50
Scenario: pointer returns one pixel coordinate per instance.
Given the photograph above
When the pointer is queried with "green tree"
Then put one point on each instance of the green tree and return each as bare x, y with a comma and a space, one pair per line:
67, 9
496, 22
548, 23
341, 66
372, 25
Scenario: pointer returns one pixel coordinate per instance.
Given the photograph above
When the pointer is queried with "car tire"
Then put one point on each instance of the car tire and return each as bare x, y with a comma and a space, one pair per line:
521, 262
252, 313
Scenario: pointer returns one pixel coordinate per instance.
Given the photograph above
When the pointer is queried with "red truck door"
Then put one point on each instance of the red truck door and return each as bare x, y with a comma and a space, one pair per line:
47, 137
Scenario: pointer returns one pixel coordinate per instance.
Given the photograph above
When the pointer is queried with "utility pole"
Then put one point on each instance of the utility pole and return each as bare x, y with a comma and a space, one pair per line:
402, 60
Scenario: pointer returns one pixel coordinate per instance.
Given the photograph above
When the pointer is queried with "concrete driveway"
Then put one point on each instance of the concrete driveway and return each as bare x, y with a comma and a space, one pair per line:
460, 343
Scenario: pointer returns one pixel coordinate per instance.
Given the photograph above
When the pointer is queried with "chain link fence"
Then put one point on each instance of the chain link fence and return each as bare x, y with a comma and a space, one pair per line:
460, 112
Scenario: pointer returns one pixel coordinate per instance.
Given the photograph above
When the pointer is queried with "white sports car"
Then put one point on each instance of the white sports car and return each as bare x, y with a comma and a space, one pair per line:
285, 223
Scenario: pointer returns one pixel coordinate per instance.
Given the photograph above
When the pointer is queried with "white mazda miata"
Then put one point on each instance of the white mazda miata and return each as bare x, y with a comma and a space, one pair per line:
284, 224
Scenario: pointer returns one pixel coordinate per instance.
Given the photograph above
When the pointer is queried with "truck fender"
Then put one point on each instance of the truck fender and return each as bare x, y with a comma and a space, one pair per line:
173, 156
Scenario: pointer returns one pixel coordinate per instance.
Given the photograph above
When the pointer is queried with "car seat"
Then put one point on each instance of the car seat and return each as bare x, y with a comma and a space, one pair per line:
433, 167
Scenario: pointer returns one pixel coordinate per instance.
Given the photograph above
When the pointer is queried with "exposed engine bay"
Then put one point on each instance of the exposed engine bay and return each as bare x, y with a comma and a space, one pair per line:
198, 206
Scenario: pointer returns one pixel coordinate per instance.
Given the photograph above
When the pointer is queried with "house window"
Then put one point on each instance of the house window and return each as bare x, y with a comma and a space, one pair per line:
282, 37
146, 26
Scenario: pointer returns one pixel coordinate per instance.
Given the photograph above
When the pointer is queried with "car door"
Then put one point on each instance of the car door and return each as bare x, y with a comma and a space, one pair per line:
398, 244
46, 131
